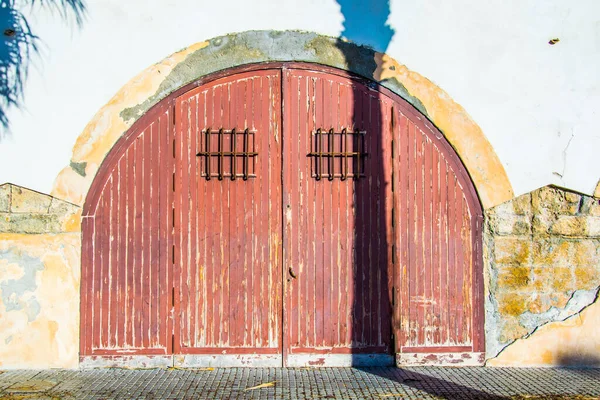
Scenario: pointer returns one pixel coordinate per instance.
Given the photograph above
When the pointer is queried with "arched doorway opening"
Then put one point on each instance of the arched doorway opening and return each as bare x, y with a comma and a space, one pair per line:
282, 214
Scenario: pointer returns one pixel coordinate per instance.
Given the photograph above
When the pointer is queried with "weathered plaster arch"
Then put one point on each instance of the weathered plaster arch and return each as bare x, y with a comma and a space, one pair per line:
194, 62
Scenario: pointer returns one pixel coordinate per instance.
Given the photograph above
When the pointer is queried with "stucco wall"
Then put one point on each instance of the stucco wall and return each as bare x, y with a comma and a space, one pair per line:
543, 267
39, 280
536, 103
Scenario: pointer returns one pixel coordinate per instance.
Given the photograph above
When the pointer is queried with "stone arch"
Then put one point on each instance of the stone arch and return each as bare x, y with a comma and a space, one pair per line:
188, 65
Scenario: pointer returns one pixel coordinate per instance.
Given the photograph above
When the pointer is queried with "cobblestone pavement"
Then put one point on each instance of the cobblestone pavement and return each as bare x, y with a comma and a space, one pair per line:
303, 383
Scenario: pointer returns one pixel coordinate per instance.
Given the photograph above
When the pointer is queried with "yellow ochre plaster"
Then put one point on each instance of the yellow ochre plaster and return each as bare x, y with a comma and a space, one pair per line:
482, 163
467, 138
597, 192
39, 306
574, 341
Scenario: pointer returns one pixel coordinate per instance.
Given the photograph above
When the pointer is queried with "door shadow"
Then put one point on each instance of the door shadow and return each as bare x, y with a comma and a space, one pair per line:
432, 385
365, 23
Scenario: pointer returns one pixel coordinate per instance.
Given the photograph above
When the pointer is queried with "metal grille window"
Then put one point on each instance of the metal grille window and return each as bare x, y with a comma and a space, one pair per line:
338, 154
228, 153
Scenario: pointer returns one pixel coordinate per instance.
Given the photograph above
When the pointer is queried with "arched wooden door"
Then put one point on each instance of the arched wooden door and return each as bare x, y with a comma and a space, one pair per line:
282, 215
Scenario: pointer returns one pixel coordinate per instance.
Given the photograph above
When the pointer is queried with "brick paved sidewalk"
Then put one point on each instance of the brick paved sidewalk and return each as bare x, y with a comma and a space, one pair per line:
303, 383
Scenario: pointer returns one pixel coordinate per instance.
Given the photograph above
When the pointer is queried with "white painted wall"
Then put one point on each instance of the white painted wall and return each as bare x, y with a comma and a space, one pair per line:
537, 104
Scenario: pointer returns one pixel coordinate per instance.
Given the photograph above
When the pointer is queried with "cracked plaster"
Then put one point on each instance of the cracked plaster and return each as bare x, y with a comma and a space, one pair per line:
539, 270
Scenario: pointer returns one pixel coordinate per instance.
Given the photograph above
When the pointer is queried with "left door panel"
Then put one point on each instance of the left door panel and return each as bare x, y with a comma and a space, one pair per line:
126, 228
228, 305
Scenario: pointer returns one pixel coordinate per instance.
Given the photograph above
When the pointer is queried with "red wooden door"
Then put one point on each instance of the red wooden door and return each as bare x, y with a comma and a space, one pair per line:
337, 235
228, 222
283, 215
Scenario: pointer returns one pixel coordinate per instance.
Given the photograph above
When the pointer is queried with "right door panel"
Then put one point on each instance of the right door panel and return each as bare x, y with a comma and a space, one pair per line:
437, 235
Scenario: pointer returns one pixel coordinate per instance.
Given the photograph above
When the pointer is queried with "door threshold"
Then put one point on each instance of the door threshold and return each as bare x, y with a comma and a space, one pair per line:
236, 360
126, 361
339, 360
227, 360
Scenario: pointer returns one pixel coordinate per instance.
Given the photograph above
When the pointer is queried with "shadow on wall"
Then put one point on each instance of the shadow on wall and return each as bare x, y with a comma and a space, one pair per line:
19, 44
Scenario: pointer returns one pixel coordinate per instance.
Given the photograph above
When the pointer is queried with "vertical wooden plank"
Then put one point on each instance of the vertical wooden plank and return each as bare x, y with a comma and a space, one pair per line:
386, 316
247, 274
362, 235
254, 121
114, 307
451, 259
403, 238
275, 141
460, 270
435, 237
203, 209
265, 304
336, 210
87, 284
326, 267
293, 213
414, 176
238, 262
310, 337
427, 243
163, 186
144, 278
376, 251
130, 267
194, 266
345, 296
106, 263
444, 259
211, 233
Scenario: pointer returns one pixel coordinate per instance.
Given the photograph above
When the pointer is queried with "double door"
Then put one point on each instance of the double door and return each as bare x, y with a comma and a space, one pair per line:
280, 227
282, 215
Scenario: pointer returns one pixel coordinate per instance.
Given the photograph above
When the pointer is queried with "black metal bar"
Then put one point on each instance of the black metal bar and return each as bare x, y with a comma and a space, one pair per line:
319, 148
246, 157
330, 160
227, 153
350, 154
344, 149
215, 132
359, 156
221, 155
208, 157
233, 159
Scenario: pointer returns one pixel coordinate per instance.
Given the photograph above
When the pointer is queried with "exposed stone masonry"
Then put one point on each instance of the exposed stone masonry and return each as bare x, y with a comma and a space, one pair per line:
26, 211
543, 262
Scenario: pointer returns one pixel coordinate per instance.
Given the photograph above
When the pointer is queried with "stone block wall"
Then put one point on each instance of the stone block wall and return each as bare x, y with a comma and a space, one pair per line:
39, 280
542, 253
